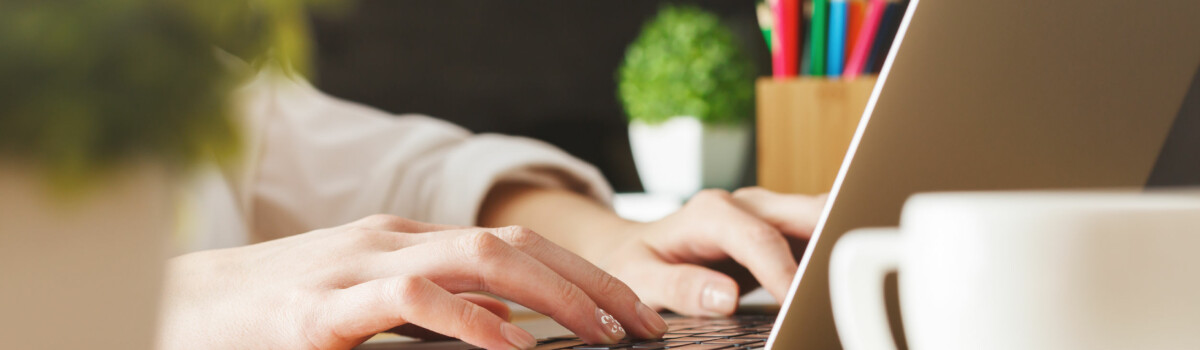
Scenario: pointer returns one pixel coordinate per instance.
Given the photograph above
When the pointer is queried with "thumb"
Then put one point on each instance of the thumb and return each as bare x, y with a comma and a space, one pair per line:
686, 289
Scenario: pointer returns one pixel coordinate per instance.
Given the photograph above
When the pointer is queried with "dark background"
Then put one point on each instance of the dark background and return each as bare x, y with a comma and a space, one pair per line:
538, 68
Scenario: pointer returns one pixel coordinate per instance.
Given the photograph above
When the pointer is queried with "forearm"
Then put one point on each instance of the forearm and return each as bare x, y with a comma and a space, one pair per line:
569, 219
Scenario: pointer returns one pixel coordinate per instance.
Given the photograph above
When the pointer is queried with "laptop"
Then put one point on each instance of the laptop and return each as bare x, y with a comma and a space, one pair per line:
989, 95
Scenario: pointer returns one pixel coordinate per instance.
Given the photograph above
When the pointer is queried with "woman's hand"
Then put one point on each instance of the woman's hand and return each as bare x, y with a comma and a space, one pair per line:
693, 261
334, 288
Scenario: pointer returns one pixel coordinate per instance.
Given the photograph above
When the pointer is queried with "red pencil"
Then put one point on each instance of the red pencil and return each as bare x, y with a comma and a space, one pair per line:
854, 25
778, 69
786, 24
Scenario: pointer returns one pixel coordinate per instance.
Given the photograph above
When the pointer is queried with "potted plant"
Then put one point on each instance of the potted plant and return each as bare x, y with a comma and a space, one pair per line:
105, 107
688, 89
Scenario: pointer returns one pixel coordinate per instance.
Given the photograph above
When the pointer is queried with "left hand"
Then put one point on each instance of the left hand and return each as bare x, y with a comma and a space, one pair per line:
333, 288
693, 260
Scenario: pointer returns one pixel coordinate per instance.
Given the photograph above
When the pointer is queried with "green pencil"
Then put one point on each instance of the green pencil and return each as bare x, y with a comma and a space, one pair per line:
766, 22
816, 38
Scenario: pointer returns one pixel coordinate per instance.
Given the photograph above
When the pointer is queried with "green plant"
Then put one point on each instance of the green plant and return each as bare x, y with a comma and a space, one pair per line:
88, 85
686, 63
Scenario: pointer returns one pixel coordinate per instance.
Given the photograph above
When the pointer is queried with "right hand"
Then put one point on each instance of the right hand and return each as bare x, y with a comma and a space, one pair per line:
334, 288
697, 260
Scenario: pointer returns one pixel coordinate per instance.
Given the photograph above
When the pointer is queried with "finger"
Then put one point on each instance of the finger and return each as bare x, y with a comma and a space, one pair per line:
372, 307
796, 215
382, 232
751, 242
496, 307
762, 250
483, 262
607, 291
684, 288
384, 222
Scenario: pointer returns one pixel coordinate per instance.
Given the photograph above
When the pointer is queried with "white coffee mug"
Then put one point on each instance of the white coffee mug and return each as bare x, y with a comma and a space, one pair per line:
1027, 270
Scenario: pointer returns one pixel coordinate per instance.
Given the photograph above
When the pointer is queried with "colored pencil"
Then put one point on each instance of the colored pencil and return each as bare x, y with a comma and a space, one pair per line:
787, 22
766, 22
866, 39
837, 38
854, 20
817, 37
888, 26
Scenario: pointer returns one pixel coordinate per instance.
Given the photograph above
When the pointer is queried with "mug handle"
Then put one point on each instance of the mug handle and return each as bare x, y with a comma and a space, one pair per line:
860, 262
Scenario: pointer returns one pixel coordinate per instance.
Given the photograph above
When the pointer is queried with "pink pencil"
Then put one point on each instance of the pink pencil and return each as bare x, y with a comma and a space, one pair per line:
866, 37
785, 59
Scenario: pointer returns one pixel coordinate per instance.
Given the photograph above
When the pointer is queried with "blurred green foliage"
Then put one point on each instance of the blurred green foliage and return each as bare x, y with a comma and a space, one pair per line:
86, 85
687, 63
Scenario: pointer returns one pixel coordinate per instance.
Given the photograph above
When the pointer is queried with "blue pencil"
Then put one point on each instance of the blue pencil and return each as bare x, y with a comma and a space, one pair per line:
837, 38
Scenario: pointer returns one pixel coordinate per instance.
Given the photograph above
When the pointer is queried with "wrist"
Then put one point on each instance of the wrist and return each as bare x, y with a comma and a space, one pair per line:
576, 222
605, 237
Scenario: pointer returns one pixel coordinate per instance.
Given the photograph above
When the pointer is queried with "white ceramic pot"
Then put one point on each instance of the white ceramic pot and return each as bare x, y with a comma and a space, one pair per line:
82, 271
681, 156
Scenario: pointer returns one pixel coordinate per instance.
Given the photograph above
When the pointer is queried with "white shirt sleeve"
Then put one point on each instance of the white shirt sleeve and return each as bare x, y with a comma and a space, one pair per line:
313, 161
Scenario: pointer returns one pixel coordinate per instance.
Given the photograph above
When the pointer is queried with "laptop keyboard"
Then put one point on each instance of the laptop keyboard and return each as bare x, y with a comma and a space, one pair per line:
687, 333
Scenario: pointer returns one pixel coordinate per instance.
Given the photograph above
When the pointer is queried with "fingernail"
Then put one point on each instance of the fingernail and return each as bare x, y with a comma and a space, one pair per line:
610, 325
518, 337
653, 320
717, 301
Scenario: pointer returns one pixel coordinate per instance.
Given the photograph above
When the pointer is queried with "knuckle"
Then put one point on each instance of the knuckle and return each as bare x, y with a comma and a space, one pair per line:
319, 333
379, 217
762, 234
610, 286
571, 296
362, 235
713, 193
389, 222
468, 315
710, 197
481, 246
680, 284
519, 236
404, 290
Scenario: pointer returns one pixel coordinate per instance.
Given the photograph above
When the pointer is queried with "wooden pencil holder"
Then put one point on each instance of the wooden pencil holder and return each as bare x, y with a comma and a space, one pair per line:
805, 126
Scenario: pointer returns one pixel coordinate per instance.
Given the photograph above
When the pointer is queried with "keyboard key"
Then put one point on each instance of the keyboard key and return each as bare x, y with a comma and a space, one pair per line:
741, 332
547, 341
687, 340
732, 341
650, 346
689, 331
713, 328
703, 347
559, 345
721, 334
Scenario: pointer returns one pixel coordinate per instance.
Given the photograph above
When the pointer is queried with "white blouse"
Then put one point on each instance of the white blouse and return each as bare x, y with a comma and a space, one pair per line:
312, 161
